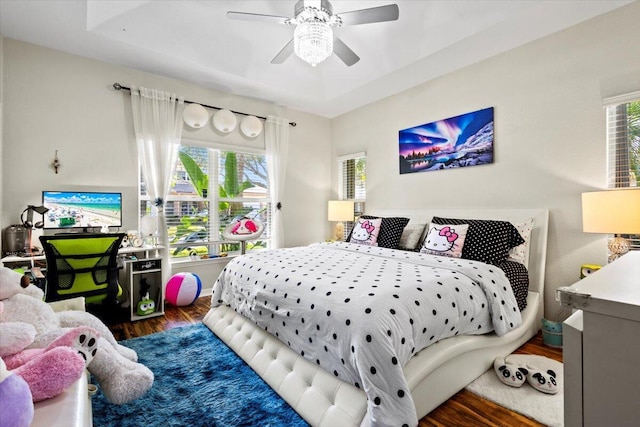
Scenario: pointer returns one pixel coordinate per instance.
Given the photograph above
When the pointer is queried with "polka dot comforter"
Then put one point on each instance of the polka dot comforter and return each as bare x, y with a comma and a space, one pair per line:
362, 312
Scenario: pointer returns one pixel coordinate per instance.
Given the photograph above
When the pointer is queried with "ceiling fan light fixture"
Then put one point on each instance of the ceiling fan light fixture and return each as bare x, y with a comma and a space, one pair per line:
313, 41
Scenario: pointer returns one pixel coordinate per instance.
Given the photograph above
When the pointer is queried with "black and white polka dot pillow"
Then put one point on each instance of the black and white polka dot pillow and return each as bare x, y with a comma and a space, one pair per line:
390, 230
518, 277
487, 240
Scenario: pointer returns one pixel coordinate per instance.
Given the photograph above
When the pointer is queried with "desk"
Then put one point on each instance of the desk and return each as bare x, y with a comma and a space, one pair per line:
140, 265
149, 252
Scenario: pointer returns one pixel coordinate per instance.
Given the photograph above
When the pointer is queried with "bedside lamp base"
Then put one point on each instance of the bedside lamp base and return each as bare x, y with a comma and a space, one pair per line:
618, 246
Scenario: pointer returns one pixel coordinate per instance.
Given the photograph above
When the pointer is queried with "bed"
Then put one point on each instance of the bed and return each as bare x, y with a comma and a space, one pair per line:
328, 388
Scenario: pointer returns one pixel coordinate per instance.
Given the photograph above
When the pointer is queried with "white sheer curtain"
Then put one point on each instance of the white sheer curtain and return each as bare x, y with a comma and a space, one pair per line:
276, 138
157, 122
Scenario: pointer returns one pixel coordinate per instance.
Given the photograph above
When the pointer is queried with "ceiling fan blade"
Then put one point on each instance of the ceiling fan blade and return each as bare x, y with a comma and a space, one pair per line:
389, 12
286, 52
242, 16
344, 52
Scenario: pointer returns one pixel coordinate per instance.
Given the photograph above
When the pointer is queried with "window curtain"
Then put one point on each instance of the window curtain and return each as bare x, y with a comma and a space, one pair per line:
157, 122
277, 144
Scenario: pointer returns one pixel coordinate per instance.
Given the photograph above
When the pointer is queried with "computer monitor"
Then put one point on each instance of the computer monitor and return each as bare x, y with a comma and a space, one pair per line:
79, 209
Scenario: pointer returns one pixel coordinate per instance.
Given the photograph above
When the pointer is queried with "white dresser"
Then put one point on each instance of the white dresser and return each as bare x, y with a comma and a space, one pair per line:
602, 346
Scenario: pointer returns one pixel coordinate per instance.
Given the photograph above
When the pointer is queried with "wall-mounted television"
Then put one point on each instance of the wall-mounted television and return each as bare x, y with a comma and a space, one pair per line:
80, 209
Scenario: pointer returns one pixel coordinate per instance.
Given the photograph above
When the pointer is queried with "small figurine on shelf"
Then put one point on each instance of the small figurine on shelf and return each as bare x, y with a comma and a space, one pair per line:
588, 269
146, 305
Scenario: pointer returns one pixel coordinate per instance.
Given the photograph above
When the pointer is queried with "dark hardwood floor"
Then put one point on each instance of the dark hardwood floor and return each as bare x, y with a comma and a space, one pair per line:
173, 317
467, 409
463, 409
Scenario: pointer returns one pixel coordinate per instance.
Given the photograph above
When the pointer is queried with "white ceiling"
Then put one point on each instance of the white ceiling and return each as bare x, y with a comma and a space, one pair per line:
193, 40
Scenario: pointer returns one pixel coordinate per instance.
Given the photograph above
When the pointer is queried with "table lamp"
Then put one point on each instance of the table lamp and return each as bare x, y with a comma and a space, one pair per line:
614, 211
149, 228
340, 211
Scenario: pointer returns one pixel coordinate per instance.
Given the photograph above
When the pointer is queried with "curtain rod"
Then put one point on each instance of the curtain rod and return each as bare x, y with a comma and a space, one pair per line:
118, 86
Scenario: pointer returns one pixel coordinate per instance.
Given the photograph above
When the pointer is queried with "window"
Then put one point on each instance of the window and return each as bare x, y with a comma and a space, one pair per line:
623, 145
212, 187
352, 183
623, 141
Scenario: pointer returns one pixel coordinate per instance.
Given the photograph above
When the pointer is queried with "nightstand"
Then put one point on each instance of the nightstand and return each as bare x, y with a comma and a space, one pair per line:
602, 344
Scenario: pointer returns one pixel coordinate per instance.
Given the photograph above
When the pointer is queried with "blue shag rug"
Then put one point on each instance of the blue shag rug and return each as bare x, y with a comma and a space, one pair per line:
199, 382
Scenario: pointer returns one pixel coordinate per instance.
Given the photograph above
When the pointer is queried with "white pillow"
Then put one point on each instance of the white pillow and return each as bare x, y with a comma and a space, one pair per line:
445, 240
519, 253
411, 236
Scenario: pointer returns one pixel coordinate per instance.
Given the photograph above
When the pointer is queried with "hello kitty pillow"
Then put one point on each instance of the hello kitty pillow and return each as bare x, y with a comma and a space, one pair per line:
445, 239
365, 232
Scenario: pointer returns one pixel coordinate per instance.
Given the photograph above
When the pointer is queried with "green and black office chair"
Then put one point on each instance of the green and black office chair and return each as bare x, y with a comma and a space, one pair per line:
82, 265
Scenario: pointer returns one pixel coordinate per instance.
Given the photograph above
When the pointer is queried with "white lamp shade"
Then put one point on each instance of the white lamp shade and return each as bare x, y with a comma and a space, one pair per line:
224, 121
195, 115
251, 126
611, 211
340, 210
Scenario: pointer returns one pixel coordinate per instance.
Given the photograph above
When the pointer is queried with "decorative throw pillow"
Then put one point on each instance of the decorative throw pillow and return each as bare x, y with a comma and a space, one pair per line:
518, 278
519, 253
366, 232
390, 230
446, 240
411, 236
487, 240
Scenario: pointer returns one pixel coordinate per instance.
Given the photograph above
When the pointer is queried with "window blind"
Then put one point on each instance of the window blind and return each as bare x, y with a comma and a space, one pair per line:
623, 145
352, 183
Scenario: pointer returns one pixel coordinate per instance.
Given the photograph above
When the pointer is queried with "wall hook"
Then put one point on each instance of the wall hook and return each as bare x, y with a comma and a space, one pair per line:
56, 162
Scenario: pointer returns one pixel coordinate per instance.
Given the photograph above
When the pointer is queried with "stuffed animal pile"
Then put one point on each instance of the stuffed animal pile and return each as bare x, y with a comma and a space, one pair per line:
50, 350
46, 371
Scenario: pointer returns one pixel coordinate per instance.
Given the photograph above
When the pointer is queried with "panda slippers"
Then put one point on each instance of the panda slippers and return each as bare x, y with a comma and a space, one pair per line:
514, 375
509, 373
544, 381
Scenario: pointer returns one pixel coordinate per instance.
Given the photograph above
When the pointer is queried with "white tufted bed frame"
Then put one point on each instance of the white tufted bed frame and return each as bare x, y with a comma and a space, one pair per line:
434, 374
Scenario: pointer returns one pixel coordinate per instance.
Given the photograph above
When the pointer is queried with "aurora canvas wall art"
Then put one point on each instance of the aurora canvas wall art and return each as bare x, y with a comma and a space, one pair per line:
465, 140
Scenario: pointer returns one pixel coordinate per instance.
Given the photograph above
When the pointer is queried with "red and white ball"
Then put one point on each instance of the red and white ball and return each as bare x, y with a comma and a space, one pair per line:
183, 289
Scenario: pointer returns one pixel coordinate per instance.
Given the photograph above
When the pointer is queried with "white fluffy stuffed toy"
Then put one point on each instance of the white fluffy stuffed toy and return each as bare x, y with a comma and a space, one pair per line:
114, 366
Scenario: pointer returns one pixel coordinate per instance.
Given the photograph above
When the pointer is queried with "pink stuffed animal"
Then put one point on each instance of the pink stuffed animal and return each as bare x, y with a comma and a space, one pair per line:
114, 366
51, 370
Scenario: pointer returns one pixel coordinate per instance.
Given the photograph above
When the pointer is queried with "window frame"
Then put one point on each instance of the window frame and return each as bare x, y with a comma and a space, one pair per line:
359, 202
620, 147
213, 197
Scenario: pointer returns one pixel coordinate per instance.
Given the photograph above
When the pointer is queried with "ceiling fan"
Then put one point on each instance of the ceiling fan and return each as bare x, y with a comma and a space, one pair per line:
313, 38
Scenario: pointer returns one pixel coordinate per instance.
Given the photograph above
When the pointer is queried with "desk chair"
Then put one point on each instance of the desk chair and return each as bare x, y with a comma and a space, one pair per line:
82, 265
242, 230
